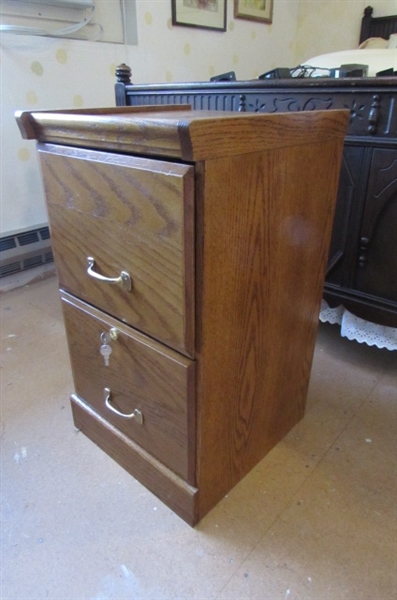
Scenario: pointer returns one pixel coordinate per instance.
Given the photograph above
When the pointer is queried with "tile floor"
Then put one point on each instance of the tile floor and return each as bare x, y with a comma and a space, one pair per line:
316, 520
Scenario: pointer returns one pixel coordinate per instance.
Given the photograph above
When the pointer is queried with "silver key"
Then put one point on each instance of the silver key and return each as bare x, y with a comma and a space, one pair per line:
106, 351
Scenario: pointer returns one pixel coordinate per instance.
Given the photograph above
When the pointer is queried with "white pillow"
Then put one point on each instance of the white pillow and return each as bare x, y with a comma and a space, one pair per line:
374, 42
393, 41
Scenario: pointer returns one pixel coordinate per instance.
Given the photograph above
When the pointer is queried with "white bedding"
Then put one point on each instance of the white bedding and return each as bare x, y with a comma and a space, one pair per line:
376, 59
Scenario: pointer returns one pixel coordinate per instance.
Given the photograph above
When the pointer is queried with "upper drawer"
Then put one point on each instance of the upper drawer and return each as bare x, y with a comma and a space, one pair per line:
130, 215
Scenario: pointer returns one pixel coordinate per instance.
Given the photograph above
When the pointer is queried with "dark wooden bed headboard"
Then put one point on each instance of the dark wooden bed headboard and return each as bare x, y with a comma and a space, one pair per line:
377, 26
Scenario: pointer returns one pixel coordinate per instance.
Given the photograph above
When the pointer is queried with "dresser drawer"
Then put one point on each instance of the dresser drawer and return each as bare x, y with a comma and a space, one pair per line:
131, 215
143, 379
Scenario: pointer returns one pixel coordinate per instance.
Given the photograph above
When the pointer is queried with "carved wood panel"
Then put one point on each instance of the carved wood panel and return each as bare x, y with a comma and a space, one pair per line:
377, 253
371, 114
347, 213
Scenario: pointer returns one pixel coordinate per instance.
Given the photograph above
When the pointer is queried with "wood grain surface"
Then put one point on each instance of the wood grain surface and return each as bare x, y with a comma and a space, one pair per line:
228, 258
262, 245
183, 134
142, 375
132, 215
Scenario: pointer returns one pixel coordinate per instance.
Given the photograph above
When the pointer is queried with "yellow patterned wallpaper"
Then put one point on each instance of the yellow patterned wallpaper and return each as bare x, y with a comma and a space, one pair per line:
47, 73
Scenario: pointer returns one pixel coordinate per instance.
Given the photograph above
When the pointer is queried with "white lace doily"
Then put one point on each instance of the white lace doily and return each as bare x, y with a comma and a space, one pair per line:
354, 328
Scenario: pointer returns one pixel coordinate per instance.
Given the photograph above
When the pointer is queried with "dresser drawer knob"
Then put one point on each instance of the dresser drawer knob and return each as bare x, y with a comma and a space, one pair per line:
136, 414
124, 279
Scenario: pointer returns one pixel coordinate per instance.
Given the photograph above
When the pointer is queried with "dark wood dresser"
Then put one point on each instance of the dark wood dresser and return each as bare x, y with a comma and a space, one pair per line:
362, 266
191, 257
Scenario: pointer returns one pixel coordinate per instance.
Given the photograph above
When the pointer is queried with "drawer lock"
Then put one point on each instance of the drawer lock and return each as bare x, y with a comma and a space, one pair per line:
136, 414
124, 278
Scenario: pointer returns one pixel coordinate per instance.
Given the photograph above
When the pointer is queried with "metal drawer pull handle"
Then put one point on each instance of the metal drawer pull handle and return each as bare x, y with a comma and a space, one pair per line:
124, 280
136, 414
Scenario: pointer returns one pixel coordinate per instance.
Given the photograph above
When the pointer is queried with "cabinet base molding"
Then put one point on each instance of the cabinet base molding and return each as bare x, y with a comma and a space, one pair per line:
163, 483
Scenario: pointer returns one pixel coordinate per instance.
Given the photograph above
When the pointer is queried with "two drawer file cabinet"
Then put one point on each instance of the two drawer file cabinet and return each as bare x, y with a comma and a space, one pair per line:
190, 249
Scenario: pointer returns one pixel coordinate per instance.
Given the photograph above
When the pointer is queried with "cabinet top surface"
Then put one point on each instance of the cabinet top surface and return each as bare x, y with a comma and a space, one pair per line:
360, 84
178, 132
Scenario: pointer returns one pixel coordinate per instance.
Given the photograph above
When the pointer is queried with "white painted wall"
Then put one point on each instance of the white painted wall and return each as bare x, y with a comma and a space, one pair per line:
45, 73
331, 25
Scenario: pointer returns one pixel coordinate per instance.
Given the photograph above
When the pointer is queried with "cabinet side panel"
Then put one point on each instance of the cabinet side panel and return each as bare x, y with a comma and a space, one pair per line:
264, 231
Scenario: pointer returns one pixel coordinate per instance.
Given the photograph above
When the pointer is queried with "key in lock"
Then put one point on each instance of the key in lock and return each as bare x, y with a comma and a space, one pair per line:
106, 349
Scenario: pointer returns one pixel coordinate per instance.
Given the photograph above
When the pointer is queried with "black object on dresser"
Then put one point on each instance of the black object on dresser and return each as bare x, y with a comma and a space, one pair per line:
362, 263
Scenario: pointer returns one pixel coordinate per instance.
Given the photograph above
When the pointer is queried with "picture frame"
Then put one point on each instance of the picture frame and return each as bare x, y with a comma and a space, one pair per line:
205, 14
254, 10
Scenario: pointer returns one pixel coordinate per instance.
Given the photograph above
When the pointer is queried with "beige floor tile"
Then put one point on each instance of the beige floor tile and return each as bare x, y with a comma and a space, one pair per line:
43, 294
315, 520
338, 537
356, 369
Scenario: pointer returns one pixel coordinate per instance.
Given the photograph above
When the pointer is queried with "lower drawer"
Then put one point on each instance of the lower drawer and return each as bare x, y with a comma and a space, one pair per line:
143, 389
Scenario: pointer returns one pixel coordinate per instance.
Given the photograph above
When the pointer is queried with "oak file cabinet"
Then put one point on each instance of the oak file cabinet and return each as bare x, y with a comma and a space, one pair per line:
190, 249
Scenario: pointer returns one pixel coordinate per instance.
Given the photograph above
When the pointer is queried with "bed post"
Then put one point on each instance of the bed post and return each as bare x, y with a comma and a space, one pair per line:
366, 24
123, 75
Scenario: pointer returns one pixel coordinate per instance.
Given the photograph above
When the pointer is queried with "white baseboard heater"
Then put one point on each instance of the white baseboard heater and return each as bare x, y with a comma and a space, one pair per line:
24, 250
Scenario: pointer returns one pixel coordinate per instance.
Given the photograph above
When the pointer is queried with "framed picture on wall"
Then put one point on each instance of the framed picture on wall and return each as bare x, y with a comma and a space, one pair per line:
254, 10
206, 14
